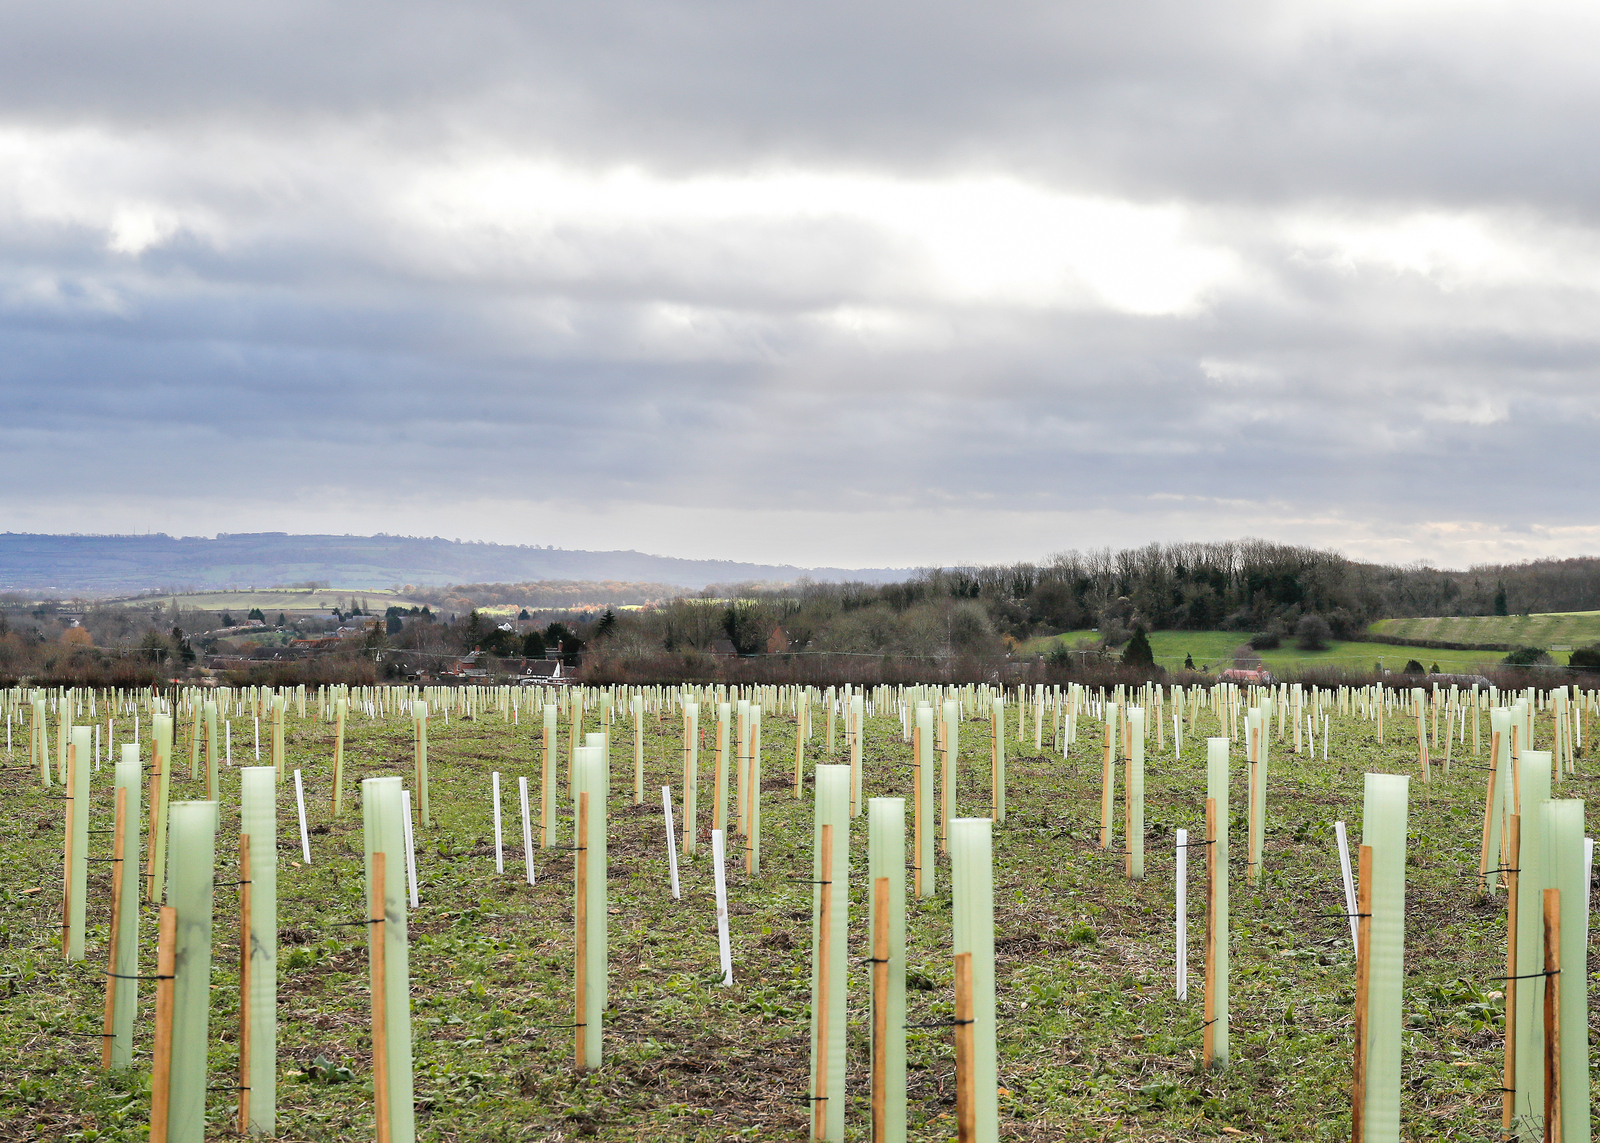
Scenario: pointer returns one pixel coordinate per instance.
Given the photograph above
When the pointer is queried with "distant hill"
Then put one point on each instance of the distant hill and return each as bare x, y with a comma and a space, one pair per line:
77, 565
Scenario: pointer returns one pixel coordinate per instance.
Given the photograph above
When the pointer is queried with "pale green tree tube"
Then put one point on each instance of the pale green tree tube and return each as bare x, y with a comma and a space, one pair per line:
832, 809
547, 778
886, 857
341, 707
63, 737
858, 731
598, 782
951, 711
1570, 874
279, 710
1217, 791
1499, 723
39, 731
383, 820
125, 957
588, 777
419, 715
258, 817
753, 822
740, 762
1135, 822
1533, 878
972, 915
210, 710
1383, 828
719, 812
691, 777
926, 862
999, 709
189, 892
161, 744
194, 738
77, 868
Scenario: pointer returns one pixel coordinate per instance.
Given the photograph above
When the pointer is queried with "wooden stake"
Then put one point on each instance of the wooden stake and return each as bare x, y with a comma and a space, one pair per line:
819, 1110
244, 983
380, 997
1508, 1082
117, 848
161, 1050
580, 926
1208, 1036
1358, 1085
880, 1005
966, 1049
1552, 1016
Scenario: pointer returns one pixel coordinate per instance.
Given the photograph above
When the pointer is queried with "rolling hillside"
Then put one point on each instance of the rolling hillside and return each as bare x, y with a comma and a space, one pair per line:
1555, 629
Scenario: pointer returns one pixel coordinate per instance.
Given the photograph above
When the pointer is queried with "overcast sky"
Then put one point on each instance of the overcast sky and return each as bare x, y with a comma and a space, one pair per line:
857, 284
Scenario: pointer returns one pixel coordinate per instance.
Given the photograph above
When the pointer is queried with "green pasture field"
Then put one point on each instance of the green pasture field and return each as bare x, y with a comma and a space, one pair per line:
1093, 1042
1213, 650
1559, 629
273, 600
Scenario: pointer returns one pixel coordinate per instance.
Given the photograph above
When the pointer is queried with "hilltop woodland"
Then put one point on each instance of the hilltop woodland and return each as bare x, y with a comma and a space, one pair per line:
955, 624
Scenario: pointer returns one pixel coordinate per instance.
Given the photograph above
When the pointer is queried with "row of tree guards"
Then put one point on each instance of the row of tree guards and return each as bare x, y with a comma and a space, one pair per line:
1532, 847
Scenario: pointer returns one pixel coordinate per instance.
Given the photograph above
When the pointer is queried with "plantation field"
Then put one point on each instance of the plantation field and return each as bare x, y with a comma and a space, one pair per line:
1560, 629
1093, 1043
1213, 650
273, 600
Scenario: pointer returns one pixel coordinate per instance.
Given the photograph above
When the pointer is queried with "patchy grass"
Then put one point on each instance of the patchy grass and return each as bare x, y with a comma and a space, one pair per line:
1093, 1043
1213, 650
1560, 629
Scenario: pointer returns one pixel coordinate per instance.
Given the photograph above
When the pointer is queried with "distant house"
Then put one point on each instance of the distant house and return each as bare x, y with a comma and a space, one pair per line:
1244, 678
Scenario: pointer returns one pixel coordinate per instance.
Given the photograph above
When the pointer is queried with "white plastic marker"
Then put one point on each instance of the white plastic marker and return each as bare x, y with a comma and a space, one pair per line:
411, 854
1325, 722
97, 748
499, 857
722, 910
1349, 885
300, 800
672, 838
1181, 889
1177, 735
258, 734
527, 828
229, 725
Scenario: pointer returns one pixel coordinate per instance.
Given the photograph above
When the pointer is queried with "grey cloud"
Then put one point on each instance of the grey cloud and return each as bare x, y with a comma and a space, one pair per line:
294, 330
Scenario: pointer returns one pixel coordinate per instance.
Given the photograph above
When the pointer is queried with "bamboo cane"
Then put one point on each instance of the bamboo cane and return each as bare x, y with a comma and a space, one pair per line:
1508, 1083
1358, 1086
824, 951
161, 1050
1552, 1016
